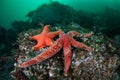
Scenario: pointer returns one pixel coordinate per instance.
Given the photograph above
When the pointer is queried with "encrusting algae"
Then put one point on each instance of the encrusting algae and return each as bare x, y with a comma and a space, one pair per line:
100, 63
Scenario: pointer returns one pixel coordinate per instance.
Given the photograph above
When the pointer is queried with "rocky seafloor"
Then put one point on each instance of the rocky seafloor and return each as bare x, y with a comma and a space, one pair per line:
100, 64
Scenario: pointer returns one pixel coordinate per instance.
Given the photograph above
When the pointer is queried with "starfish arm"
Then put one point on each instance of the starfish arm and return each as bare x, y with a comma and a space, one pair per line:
34, 37
73, 33
67, 58
28, 63
44, 55
87, 34
53, 34
39, 45
48, 41
45, 29
52, 50
80, 45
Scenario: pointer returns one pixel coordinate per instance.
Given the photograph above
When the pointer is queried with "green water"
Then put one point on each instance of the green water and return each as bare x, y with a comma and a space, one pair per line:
11, 10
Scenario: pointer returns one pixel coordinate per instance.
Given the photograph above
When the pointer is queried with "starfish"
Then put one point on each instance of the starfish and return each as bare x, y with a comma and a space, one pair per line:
65, 41
45, 38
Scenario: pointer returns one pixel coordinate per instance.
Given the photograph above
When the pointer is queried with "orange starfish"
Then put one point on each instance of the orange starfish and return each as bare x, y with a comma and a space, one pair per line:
45, 38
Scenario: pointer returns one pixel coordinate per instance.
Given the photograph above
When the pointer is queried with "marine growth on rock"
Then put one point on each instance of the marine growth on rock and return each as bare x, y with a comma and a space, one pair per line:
99, 64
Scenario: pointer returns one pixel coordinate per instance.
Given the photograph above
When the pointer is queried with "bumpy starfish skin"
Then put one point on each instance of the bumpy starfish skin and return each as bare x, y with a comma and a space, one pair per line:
45, 38
65, 41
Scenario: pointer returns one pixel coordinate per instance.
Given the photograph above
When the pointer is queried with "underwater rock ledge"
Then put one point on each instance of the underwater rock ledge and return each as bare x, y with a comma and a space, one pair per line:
101, 64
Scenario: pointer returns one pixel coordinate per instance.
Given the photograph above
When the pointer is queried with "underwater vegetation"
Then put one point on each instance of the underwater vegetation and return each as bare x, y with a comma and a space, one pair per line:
55, 13
51, 14
102, 63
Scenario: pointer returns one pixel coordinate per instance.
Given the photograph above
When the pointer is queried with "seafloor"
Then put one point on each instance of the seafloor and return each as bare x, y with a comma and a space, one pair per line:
100, 64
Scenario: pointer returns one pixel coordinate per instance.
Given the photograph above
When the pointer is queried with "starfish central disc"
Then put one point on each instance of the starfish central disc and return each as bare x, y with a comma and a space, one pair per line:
45, 38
